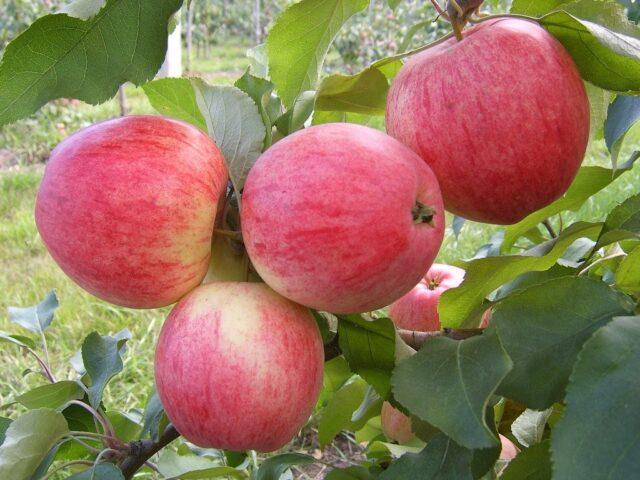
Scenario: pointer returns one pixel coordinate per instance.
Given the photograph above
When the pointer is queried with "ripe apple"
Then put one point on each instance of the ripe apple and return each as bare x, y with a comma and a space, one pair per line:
509, 450
418, 309
239, 367
502, 118
395, 425
341, 218
127, 208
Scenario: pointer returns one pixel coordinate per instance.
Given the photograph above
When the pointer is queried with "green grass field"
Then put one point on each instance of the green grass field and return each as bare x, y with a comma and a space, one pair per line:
27, 272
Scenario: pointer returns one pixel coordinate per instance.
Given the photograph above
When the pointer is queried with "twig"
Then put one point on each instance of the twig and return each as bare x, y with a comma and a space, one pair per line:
141, 451
549, 227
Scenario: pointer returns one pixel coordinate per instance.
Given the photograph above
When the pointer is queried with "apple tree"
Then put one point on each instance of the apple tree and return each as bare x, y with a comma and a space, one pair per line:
282, 226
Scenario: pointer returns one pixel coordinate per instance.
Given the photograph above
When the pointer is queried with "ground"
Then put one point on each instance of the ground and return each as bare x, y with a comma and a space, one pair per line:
27, 272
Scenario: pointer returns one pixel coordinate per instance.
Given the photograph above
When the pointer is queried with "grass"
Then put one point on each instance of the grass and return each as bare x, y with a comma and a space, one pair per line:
27, 272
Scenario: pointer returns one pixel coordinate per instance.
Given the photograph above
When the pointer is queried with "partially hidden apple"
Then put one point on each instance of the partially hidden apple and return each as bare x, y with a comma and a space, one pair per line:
502, 118
508, 451
396, 426
127, 208
418, 309
341, 218
239, 367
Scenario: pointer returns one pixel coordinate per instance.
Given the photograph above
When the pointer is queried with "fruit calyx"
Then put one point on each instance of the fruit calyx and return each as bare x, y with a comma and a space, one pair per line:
422, 213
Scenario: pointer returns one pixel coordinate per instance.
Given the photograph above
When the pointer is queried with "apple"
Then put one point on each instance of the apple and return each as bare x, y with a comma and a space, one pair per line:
239, 367
418, 309
502, 118
127, 208
341, 218
509, 450
396, 426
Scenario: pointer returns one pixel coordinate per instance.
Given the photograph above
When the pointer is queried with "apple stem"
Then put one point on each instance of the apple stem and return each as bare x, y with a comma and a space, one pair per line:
234, 235
422, 213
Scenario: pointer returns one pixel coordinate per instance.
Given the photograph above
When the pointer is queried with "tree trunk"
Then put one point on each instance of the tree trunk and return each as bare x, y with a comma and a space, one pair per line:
189, 35
122, 101
172, 66
256, 18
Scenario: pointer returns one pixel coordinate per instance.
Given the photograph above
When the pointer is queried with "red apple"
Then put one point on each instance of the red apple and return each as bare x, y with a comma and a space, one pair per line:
395, 425
341, 218
418, 309
502, 118
509, 450
127, 208
239, 367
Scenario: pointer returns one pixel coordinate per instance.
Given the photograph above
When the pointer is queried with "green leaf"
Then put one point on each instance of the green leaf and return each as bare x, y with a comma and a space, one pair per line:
529, 279
529, 427
155, 418
273, 467
622, 115
337, 415
441, 459
174, 466
102, 357
602, 42
336, 374
484, 275
234, 122
535, 8
61, 56
628, 273
53, 395
101, 471
36, 318
603, 388
369, 347
175, 97
299, 40
259, 89
543, 328
534, 463
48, 460
623, 222
19, 340
588, 182
4, 424
599, 101
296, 116
365, 92
28, 440
349, 473
127, 429
449, 384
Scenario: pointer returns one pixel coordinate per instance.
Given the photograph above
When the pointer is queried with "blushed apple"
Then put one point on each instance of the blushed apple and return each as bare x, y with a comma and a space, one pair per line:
341, 218
127, 208
509, 450
418, 309
502, 118
395, 425
239, 367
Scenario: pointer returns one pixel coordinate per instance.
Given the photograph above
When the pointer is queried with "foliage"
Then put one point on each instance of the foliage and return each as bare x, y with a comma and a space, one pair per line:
563, 335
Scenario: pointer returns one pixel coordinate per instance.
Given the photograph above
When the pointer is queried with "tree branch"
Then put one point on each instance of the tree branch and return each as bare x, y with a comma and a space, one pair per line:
142, 450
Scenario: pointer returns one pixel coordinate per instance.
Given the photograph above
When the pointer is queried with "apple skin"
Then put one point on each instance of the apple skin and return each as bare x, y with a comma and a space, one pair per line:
418, 309
239, 367
327, 218
509, 450
127, 207
395, 425
502, 118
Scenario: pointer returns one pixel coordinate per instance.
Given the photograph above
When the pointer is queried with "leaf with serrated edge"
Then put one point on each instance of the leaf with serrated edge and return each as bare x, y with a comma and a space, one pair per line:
102, 471
273, 467
449, 383
28, 440
61, 56
484, 275
53, 395
102, 358
175, 97
38, 317
174, 466
299, 41
528, 428
235, 124
604, 389
543, 328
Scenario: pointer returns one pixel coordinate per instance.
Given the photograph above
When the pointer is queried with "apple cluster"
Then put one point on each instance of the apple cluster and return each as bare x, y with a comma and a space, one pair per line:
337, 217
